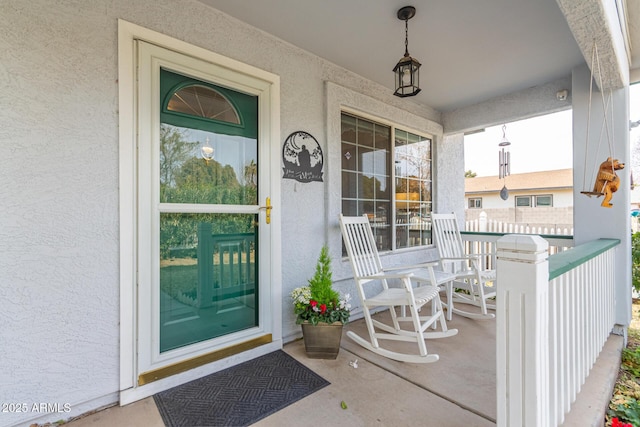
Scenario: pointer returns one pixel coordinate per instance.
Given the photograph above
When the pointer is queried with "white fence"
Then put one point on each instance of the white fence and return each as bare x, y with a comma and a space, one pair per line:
490, 226
485, 244
554, 314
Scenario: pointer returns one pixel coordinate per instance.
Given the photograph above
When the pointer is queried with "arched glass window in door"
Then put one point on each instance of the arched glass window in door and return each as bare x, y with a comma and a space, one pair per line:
205, 102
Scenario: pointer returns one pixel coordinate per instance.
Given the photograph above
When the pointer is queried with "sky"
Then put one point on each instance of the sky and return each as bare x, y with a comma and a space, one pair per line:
537, 144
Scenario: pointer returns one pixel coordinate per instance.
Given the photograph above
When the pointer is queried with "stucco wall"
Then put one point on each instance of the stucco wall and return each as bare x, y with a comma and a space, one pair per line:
450, 179
59, 157
59, 212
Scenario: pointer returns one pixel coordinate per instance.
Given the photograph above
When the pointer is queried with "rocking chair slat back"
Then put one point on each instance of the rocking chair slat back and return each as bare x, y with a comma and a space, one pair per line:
447, 236
472, 280
361, 247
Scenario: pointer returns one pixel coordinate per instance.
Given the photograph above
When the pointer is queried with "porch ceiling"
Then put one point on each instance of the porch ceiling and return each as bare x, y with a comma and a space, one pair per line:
471, 51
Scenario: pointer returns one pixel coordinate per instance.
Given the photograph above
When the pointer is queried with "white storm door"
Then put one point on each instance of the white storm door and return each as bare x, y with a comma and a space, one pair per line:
203, 237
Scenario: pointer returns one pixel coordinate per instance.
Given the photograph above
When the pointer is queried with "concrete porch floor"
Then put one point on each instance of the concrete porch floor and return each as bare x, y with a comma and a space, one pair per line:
457, 390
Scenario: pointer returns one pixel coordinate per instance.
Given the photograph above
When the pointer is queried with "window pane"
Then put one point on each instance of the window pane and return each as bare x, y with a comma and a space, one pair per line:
378, 214
348, 129
207, 277
365, 160
187, 177
367, 187
365, 133
349, 157
382, 137
383, 192
522, 201
349, 185
475, 203
543, 201
350, 208
413, 189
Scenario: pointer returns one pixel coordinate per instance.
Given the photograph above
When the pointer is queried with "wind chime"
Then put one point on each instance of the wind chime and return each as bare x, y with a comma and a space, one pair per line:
606, 180
504, 162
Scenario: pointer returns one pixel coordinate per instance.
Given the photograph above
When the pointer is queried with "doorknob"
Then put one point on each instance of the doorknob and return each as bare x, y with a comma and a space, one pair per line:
267, 209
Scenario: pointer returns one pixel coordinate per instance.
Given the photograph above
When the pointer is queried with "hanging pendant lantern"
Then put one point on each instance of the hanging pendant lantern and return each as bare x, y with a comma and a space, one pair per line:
407, 70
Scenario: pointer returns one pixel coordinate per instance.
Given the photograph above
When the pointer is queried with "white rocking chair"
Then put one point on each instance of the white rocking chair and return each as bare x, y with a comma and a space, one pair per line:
471, 284
368, 273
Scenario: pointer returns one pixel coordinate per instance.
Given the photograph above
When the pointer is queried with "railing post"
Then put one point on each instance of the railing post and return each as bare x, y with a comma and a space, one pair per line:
205, 265
483, 221
522, 312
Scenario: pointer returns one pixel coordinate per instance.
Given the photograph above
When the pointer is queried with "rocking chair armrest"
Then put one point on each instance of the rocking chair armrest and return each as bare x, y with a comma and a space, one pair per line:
387, 276
462, 258
413, 267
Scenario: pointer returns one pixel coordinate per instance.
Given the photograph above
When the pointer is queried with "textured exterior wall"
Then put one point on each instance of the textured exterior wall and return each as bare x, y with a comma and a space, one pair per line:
59, 158
450, 175
59, 212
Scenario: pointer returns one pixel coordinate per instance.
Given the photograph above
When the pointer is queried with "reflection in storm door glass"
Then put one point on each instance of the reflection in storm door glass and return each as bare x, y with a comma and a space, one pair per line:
208, 277
227, 174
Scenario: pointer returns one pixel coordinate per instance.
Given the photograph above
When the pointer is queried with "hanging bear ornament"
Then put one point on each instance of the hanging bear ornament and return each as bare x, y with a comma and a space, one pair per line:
607, 181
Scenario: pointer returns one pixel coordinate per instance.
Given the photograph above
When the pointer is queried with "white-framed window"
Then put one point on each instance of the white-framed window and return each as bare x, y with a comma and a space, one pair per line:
397, 199
475, 203
544, 200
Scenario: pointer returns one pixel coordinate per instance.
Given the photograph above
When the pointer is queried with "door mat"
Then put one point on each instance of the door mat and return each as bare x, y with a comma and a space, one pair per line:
240, 395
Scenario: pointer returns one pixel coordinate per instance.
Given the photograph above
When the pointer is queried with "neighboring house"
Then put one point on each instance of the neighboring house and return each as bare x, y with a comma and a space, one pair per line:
146, 143
539, 199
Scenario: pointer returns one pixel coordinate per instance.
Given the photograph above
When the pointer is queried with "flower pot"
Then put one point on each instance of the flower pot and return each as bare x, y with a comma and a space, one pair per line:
322, 341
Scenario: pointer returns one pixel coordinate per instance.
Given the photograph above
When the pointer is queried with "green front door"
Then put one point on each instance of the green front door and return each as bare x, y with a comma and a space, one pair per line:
208, 259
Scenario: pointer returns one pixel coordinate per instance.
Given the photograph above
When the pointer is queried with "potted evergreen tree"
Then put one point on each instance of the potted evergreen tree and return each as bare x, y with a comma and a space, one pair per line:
321, 311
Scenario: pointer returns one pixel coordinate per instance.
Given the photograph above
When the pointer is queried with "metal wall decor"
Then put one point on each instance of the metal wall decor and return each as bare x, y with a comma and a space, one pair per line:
302, 157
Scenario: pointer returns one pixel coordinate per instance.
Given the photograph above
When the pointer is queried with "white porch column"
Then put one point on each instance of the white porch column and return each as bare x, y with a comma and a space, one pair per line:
522, 334
590, 220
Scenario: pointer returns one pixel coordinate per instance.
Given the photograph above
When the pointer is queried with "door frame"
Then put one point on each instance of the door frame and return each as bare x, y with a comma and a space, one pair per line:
269, 134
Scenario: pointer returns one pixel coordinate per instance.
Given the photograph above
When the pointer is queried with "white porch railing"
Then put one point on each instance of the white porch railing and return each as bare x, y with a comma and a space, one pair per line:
554, 314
